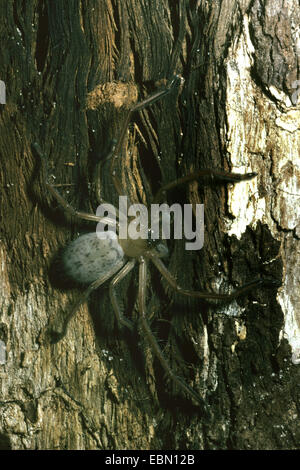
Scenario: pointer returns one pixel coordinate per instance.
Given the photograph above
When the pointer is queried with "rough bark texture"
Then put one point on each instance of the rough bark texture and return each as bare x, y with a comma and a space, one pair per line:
70, 69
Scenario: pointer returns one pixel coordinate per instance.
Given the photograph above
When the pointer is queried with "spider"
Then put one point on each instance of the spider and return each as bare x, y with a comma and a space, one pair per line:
93, 261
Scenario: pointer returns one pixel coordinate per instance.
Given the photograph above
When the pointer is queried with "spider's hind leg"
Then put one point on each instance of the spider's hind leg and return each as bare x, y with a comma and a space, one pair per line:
120, 275
152, 341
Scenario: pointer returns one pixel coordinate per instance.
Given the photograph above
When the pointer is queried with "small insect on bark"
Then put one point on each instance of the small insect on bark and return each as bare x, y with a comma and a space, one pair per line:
92, 261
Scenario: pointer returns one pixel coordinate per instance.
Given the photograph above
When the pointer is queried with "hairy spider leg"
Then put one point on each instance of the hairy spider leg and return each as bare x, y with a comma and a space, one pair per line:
62, 201
218, 175
153, 341
210, 295
173, 83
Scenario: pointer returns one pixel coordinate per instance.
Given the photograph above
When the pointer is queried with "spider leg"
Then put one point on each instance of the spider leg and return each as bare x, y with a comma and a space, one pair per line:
217, 175
83, 298
137, 107
153, 342
121, 274
62, 201
211, 295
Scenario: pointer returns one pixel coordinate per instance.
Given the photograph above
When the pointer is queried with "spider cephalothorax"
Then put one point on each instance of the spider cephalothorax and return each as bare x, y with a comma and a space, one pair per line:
92, 259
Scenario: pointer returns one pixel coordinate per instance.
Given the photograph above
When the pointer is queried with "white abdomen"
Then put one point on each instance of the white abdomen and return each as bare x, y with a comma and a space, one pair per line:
88, 258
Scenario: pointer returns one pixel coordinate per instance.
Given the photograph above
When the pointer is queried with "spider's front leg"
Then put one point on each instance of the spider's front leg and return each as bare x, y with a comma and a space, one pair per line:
208, 173
61, 200
217, 175
152, 341
121, 274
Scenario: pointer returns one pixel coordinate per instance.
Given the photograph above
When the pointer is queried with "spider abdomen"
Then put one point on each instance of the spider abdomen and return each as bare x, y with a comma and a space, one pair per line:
88, 258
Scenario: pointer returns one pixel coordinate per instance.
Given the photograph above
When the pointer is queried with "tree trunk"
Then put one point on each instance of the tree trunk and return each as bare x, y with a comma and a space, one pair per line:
71, 70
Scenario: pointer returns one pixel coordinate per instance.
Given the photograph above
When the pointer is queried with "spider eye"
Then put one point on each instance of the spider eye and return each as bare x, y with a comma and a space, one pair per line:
156, 244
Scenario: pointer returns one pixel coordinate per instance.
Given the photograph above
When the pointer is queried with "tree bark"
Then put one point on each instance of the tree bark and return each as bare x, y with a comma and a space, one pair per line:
71, 71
